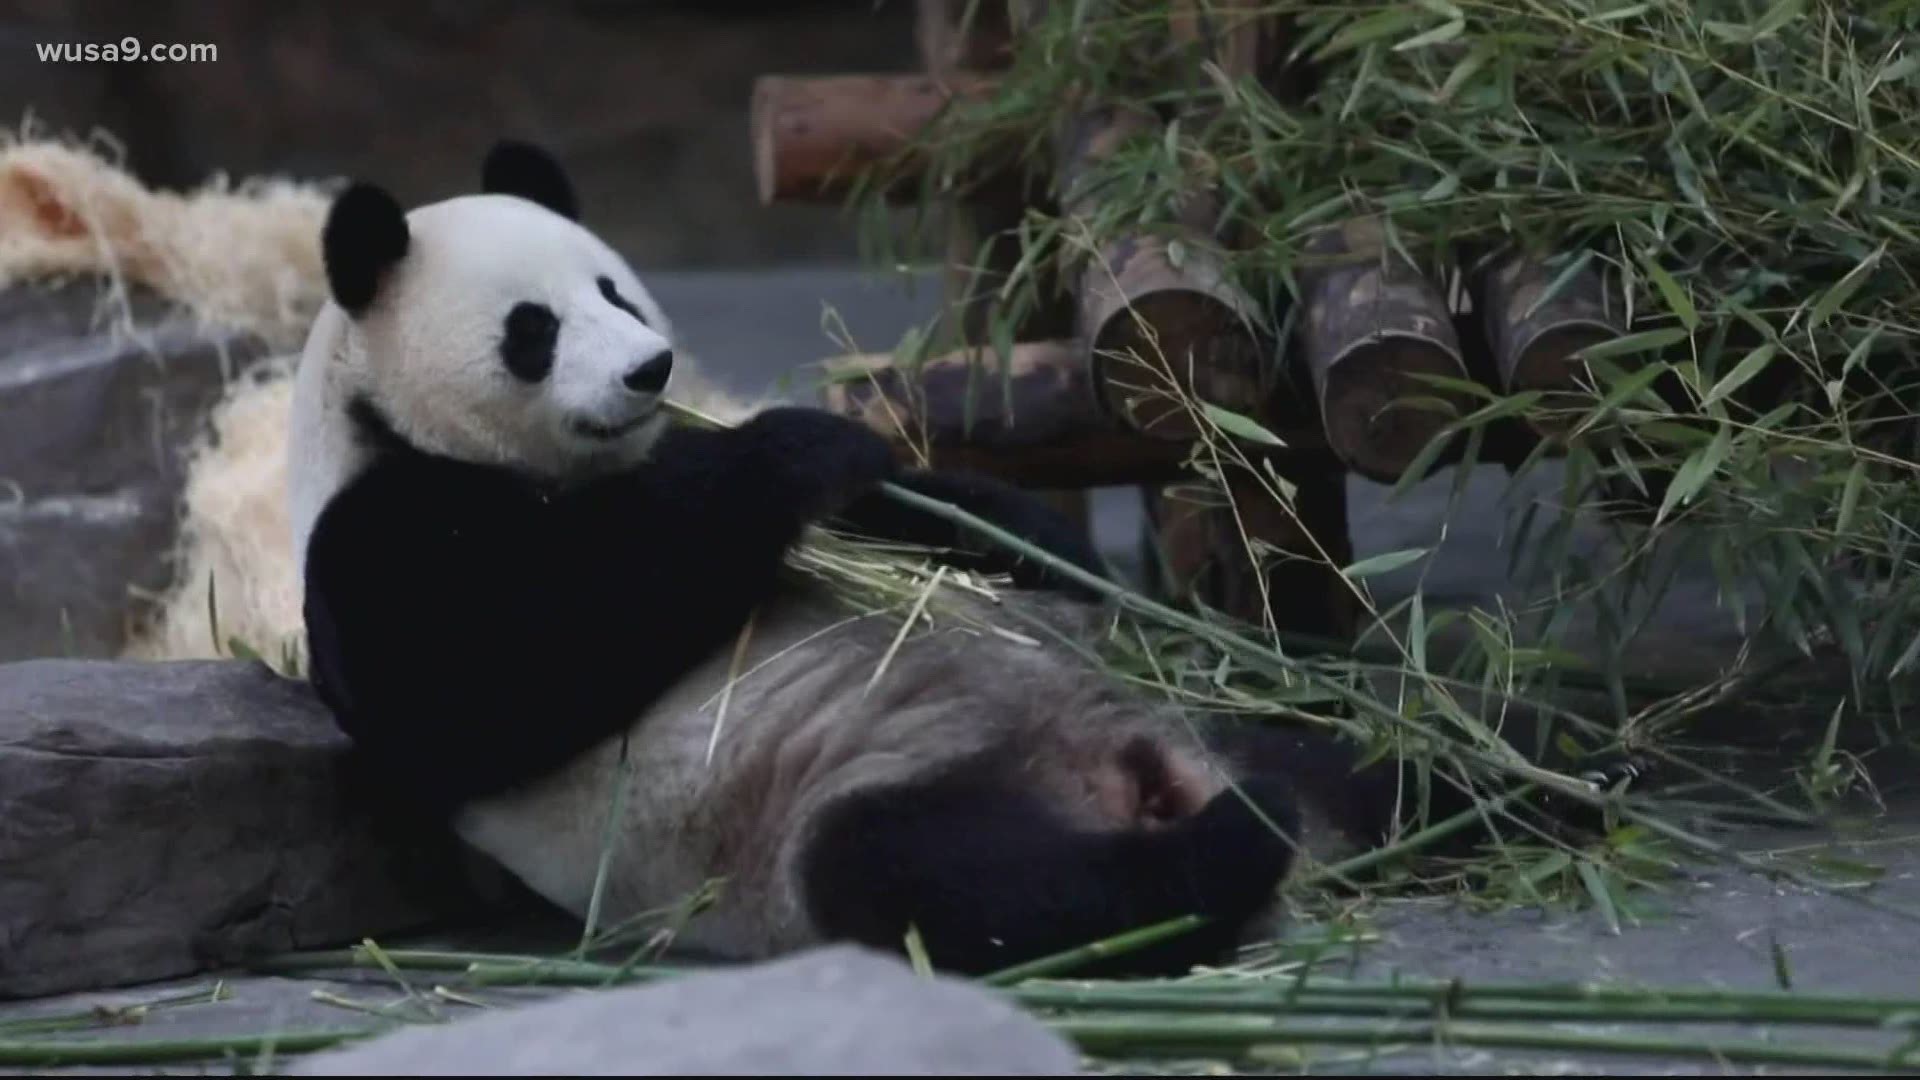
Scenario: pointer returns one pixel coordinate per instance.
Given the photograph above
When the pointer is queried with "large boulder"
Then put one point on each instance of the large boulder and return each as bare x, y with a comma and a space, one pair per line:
161, 819
832, 1011
97, 410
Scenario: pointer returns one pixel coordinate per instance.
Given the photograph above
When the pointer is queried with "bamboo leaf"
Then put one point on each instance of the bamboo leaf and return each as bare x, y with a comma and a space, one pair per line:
1366, 30
1695, 472
1439, 35
1384, 563
1743, 372
1850, 497
1644, 341
1843, 290
1602, 896
1239, 426
1676, 297
1778, 17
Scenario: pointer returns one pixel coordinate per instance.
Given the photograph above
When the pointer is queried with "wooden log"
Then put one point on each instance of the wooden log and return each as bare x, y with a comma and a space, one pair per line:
1373, 324
1534, 343
1161, 318
814, 136
1038, 428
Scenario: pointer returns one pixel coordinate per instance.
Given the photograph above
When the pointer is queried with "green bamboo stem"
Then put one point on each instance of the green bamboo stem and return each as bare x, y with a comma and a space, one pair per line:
1118, 945
1439, 830
491, 968
47, 1055
1438, 990
1811, 1007
1146, 1037
1280, 1000
110, 1016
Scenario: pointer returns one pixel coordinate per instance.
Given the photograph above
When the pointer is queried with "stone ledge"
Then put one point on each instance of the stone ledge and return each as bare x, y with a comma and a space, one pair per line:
161, 819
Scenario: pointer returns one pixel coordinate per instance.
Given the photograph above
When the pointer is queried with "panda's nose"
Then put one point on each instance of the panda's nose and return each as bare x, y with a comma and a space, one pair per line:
651, 376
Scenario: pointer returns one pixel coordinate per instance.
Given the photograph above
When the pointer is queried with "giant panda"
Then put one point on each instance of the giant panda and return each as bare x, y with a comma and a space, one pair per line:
532, 600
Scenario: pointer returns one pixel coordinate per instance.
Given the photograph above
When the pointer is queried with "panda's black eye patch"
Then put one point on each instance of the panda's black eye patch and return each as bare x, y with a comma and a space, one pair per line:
527, 347
613, 297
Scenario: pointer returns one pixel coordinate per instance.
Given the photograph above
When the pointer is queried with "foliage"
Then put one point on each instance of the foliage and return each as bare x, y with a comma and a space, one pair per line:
1741, 172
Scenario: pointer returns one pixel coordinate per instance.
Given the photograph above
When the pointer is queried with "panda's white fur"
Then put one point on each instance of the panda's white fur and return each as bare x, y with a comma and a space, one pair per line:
431, 341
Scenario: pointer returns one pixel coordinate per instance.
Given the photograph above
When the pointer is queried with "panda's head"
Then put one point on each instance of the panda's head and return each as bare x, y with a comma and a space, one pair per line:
493, 328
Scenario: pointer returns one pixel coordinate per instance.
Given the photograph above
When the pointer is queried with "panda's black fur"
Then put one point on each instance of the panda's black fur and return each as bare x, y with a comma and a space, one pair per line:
579, 605
485, 635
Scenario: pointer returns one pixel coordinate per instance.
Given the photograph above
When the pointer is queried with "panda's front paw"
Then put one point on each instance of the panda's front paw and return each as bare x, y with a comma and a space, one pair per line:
824, 459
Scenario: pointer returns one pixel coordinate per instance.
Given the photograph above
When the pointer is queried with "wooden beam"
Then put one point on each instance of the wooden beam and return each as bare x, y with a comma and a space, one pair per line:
1033, 423
814, 136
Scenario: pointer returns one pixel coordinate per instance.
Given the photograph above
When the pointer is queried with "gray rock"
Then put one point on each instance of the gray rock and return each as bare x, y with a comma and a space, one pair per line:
831, 1011
160, 819
94, 419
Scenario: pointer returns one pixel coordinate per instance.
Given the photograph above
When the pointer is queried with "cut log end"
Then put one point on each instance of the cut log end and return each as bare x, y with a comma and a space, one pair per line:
1536, 324
1160, 329
1374, 325
1377, 410
1550, 363
1166, 347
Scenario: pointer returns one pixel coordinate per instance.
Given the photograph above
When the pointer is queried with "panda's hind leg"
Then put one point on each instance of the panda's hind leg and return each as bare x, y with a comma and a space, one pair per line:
990, 874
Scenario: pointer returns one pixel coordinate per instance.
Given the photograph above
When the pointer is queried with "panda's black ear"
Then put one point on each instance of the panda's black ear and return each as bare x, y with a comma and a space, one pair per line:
523, 169
366, 233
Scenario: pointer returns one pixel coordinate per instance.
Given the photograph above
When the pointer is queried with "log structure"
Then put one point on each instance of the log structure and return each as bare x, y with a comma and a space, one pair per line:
1101, 382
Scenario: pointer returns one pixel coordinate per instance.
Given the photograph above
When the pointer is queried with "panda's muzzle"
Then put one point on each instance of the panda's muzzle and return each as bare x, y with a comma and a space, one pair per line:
610, 432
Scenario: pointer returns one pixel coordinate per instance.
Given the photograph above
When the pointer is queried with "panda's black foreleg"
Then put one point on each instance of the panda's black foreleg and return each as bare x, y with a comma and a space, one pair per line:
472, 631
878, 517
990, 876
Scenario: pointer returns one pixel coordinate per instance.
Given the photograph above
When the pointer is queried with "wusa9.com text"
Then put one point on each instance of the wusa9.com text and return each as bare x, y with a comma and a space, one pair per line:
128, 48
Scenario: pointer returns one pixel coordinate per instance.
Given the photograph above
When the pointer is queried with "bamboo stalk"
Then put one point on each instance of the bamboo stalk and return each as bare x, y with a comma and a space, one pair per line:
1282, 998
47, 1055
1148, 1037
1118, 945
1811, 1004
1439, 830
496, 968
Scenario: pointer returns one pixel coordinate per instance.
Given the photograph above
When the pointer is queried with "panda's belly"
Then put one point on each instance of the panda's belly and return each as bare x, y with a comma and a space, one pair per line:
711, 792
708, 792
